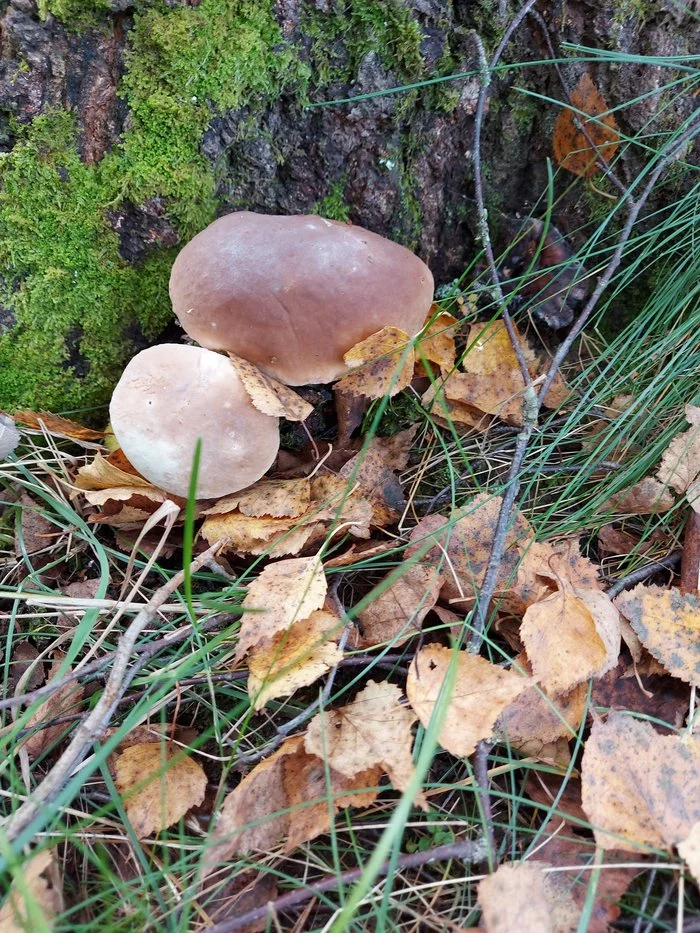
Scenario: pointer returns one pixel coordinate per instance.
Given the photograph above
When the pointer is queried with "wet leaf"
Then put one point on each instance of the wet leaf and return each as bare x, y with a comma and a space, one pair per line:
572, 150
522, 897
668, 625
34, 903
399, 609
481, 693
570, 636
372, 731
640, 788
295, 658
382, 364
285, 798
285, 592
57, 424
159, 785
268, 395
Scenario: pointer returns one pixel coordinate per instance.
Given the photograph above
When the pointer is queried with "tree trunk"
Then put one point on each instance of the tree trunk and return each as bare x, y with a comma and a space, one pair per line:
127, 127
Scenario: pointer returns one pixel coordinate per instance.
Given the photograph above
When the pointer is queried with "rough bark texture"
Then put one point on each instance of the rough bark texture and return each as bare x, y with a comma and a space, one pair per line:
126, 127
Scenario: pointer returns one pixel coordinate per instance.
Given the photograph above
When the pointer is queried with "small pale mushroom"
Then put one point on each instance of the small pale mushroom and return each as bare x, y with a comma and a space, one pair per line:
171, 395
293, 294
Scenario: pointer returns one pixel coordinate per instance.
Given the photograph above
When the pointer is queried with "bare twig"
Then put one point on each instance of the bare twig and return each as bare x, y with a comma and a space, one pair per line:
481, 773
37, 808
462, 851
690, 562
643, 573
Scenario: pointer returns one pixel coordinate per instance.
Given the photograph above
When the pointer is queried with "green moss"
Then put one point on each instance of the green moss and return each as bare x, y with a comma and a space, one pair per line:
340, 40
74, 13
334, 205
63, 278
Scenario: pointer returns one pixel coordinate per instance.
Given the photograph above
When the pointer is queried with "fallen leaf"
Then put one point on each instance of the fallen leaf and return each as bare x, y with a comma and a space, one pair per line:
277, 498
340, 506
661, 697
461, 547
398, 610
572, 148
283, 593
268, 395
244, 534
109, 473
24, 657
482, 691
570, 636
372, 731
240, 893
647, 497
288, 797
689, 851
610, 885
382, 364
159, 784
640, 788
34, 903
680, 464
668, 625
436, 343
295, 658
126, 506
449, 412
357, 553
63, 702
522, 897
535, 719
57, 424
544, 789
37, 531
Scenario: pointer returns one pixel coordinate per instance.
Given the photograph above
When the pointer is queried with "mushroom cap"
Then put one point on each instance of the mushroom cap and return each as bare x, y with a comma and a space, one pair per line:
170, 395
293, 294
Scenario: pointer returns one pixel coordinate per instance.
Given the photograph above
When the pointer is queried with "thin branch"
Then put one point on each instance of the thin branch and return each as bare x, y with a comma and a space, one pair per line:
643, 573
37, 808
470, 852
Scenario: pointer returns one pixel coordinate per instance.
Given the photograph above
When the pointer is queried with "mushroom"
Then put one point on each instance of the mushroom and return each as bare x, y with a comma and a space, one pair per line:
293, 294
171, 395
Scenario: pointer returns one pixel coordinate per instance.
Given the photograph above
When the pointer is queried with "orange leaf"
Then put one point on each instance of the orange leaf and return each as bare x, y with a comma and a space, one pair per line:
57, 424
572, 150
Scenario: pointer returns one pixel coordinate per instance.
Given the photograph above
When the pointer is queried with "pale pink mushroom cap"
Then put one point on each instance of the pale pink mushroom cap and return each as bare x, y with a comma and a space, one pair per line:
293, 294
170, 395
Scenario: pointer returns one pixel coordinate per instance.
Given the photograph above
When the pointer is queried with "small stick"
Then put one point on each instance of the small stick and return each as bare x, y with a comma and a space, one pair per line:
643, 573
463, 851
690, 561
37, 808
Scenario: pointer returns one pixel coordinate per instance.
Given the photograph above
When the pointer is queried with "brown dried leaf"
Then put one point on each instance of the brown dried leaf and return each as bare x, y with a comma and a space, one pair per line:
159, 785
664, 698
277, 498
570, 636
286, 797
63, 702
283, 593
37, 531
647, 497
640, 788
295, 658
340, 505
680, 464
372, 731
57, 424
35, 902
360, 552
572, 150
24, 656
108, 473
399, 609
534, 717
125, 505
463, 546
447, 411
668, 625
384, 364
481, 693
522, 897
268, 395
243, 534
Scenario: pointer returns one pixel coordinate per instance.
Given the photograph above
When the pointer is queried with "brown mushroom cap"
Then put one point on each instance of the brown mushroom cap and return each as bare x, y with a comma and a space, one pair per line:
170, 395
293, 294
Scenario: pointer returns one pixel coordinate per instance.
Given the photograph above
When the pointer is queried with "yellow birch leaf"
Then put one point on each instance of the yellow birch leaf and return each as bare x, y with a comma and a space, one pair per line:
689, 850
295, 658
436, 342
37, 899
284, 592
523, 897
268, 395
640, 788
277, 498
481, 693
372, 731
398, 610
667, 623
382, 364
159, 785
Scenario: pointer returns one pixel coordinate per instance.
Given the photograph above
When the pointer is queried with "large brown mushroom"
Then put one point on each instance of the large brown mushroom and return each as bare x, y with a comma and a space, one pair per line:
293, 294
170, 395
